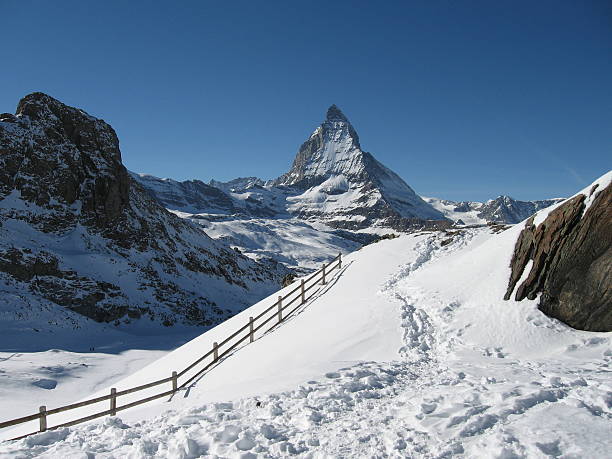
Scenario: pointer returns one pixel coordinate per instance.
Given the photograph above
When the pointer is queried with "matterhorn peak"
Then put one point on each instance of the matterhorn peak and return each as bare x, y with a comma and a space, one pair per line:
331, 168
335, 114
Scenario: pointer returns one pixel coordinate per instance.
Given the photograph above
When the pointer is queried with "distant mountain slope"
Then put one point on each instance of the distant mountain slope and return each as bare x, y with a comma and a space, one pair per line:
502, 209
188, 196
78, 232
196, 197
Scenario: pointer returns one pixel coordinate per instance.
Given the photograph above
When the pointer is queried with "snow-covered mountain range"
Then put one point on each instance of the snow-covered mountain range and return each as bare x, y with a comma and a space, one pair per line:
70, 210
78, 234
332, 181
502, 209
332, 199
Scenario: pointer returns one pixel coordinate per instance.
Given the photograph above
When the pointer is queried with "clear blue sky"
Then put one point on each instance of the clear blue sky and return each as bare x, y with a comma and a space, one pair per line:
464, 99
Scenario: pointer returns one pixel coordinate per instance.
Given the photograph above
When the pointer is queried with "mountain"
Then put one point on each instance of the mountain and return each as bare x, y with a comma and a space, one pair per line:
238, 184
332, 181
502, 209
347, 187
196, 197
333, 194
189, 196
79, 234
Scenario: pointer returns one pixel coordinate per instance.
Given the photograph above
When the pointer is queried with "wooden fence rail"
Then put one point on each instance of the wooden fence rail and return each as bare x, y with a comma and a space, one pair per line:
248, 330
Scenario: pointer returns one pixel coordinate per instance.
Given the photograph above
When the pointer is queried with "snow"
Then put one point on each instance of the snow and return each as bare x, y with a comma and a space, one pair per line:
293, 242
351, 178
590, 192
409, 351
447, 208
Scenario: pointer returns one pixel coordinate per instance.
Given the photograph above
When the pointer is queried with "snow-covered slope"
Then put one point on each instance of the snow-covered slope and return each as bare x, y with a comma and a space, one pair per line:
410, 351
292, 242
77, 234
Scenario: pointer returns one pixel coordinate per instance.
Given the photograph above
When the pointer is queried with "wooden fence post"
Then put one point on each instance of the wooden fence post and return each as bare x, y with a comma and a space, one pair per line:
113, 402
174, 381
323, 271
215, 352
43, 418
251, 330
303, 292
339, 261
280, 309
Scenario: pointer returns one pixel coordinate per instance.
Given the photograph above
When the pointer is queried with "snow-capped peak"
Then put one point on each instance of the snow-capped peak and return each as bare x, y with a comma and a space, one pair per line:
373, 191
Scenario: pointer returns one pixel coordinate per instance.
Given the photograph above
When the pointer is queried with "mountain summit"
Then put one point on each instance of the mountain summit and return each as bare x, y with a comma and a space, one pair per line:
335, 114
347, 184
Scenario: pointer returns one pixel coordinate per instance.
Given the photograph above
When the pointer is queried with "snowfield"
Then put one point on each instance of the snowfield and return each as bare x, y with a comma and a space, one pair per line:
409, 351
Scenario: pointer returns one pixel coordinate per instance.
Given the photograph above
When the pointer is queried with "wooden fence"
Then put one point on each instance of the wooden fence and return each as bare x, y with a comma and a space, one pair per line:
277, 313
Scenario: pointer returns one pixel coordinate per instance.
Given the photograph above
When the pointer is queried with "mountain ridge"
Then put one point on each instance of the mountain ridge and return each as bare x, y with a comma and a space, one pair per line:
79, 234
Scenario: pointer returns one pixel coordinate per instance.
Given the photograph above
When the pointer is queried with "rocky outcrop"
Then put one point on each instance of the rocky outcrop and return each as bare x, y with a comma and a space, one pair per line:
77, 230
571, 254
57, 156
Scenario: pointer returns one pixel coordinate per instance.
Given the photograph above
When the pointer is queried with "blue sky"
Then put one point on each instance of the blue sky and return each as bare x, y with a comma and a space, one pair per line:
464, 99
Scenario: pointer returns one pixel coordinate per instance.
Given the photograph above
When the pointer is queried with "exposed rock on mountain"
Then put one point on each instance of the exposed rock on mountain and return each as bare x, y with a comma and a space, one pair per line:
237, 185
571, 260
347, 187
77, 231
193, 196
502, 209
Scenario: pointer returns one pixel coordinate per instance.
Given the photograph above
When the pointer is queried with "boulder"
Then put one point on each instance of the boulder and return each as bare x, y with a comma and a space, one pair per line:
571, 252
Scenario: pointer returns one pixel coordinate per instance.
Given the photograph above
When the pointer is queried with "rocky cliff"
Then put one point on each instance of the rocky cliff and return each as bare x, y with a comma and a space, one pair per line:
78, 232
570, 253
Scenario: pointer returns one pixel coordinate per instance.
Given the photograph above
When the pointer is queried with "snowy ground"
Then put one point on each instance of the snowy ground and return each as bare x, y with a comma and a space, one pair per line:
56, 377
409, 352
291, 241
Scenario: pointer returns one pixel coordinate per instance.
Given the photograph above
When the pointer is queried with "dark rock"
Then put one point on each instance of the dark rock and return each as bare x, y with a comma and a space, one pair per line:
446, 242
288, 280
572, 263
335, 114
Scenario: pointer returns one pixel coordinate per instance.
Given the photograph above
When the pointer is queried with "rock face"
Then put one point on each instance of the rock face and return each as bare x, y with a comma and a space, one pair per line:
571, 254
77, 231
50, 152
